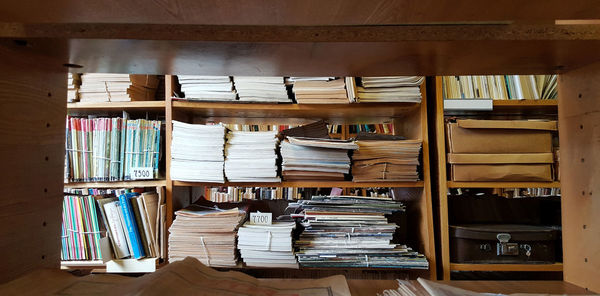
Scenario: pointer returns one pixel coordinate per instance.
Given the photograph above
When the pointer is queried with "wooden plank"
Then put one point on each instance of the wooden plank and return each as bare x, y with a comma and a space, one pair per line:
579, 128
32, 129
169, 88
309, 184
297, 12
121, 184
506, 267
151, 106
455, 184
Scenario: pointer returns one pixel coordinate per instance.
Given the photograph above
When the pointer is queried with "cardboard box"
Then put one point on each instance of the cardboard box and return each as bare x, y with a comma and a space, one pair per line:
500, 136
525, 167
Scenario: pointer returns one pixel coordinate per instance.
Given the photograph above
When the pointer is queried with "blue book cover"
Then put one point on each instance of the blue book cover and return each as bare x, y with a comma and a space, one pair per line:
132, 229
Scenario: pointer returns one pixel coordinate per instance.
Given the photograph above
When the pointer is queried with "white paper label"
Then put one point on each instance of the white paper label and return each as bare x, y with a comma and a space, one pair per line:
142, 173
261, 218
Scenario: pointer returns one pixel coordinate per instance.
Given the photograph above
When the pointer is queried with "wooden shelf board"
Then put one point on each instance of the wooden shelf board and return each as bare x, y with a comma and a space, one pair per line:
120, 184
525, 103
506, 267
117, 106
82, 264
309, 184
334, 113
454, 184
242, 266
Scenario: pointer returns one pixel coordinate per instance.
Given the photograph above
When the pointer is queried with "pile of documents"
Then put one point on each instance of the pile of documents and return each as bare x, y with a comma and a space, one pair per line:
315, 158
390, 89
207, 88
261, 89
352, 231
320, 90
267, 245
382, 160
100, 87
207, 234
251, 156
73, 82
197, 152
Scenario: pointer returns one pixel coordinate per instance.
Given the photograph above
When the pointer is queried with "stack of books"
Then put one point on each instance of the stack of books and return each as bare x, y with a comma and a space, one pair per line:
207, 234
80, 229
352, 231
197, 152
73, 82
267, 245
100, 87
386, 160
391, 89
107, 149
251, 156
238, 193
500, 87
320, 90
315, 158
261, 89
207, 88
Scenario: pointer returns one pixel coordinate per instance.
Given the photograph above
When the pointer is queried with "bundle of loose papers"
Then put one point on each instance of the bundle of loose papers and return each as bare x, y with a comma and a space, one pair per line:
320, 91
381, 160
261, 89
100, 87
267, 245
73, 82
207, 88
390, 89
207, 234
251, 156
197, 152
315, 159
352, 231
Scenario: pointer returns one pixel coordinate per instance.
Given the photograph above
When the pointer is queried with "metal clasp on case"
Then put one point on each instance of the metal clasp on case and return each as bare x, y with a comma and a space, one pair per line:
504, 248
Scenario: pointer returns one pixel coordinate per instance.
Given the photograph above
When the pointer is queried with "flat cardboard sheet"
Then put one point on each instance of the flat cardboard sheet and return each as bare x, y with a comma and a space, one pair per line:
502, 172
545, 125
507, 158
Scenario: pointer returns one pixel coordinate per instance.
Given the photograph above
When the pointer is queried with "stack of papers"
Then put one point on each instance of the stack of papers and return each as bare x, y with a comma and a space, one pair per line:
251, 156
197, 152
73, 82
390, 89
320, 90
207, 234
267, 245
261, 89
207, 88
315, 159
352, 231
395, 161
100, 87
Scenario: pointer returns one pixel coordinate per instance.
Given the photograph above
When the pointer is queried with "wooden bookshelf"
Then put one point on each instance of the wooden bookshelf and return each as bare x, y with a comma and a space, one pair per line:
308, 184
119, 184
526, 106
454, 184
149, 106
506, 267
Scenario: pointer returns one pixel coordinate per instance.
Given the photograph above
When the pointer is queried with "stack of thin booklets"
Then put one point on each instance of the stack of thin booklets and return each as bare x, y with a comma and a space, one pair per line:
261, 89
100, 87
208, 234
197, 152
80, 229
390, 89
386, 160
320, 90
500, 87
207, 88
251, 156
267, 245
315, 158
73, 82
352, 231
107, 149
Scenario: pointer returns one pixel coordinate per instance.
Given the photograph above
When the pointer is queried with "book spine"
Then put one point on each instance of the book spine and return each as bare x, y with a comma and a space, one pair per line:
132, 229
116, 229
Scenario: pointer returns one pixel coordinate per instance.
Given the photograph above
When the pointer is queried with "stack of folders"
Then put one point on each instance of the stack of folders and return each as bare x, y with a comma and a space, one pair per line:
500, 87
251, 156
352, 231
73, 82
207, 88
100, 87
320, 90
80, 229
377, 160
261, 89
391, 89
107, 149
135, 224
267, 245
208, 234
197, 152
315, 159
